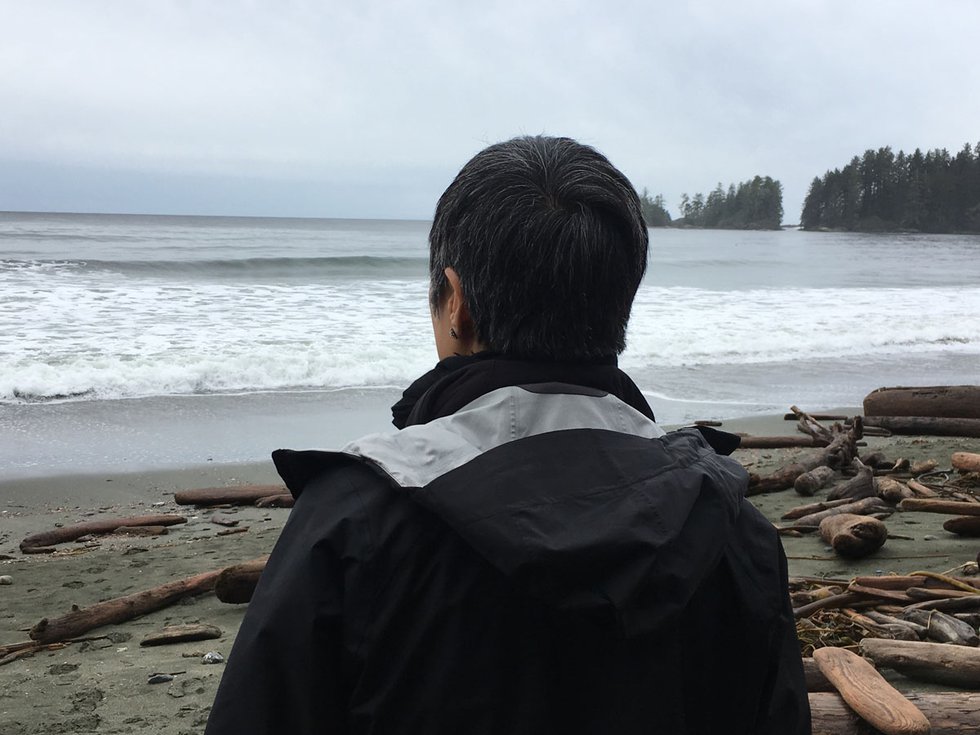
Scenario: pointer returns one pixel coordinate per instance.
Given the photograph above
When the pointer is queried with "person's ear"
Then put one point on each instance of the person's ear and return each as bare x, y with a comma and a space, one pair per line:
459, 313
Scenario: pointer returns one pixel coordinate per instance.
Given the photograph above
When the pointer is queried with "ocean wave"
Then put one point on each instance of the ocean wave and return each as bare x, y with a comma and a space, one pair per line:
366, 266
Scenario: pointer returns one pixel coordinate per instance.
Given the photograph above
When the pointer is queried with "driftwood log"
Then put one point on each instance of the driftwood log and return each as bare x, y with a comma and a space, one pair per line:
864, 506
40, 541
853, 536
181, 634
892, 490
963, 525
236, 583
868, 694
937, 505
121, 609
966, 461
921, 490
141, 531
809, 482
779, 442
926, 425
816, 416
810, 508
949, 713
969, 603
945, 401
235, 495
926, 465
944, 628
939, 663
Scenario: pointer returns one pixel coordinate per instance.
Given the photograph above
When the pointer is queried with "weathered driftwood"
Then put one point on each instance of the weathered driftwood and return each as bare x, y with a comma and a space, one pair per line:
926, 465
181, 634
941, 663
806, 424
816, 416
918, 631
105, 525
966, 461
864, 506
867, 693
950, 604
892, 581
811, 508
921, 490
937, 505
236, 583
141, 531
235, 495
120, 609
944, 628
882, 594
892, 490
779, 442
926, 426
950, 713
809, 482
946, 401
284, 500
875, 460
861, 485
963, 525
934, 593
827, 603
815, 680
853, 536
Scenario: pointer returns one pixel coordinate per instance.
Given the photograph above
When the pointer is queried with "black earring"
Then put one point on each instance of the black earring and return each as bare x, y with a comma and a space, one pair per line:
452, 333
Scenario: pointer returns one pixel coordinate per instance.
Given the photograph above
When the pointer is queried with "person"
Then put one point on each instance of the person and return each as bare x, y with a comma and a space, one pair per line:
529, 552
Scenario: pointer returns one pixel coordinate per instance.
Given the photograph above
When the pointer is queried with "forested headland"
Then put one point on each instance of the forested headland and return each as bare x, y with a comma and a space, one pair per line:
756, 204
882, 191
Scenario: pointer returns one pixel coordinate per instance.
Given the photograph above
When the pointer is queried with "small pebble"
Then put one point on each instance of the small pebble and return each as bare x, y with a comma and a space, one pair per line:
6, 579
212, 657
929, 537
159, 679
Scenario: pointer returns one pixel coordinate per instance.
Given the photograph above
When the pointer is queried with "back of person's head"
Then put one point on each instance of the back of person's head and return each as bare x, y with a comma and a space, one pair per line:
550, 245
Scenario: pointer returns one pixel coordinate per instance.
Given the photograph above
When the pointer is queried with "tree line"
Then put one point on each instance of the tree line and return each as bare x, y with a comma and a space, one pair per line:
931, 192
756, 204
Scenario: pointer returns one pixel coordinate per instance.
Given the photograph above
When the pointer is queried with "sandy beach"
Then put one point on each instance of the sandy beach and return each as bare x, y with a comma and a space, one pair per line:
100, 685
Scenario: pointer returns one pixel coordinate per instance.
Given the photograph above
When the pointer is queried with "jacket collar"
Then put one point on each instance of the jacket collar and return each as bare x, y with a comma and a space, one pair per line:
458, 380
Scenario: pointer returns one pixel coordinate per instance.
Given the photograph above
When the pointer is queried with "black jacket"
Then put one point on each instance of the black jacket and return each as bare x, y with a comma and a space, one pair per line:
531, 554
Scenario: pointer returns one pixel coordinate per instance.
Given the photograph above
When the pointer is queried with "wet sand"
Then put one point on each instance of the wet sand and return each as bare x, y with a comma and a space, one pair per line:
101, 685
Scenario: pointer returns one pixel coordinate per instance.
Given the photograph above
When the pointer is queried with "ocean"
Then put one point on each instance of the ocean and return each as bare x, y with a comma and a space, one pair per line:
154, 341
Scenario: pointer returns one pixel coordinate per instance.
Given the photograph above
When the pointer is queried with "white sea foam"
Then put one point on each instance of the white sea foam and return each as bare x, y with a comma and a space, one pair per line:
100, 339
685, 326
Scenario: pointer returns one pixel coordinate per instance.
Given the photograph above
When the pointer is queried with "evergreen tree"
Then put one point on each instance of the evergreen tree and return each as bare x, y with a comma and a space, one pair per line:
654, 210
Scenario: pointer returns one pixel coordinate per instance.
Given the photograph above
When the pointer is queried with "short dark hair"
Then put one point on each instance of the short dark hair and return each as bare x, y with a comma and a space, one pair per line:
550, 245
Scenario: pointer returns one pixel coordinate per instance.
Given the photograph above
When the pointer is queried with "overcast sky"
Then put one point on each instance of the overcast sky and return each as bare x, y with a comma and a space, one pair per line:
367, 109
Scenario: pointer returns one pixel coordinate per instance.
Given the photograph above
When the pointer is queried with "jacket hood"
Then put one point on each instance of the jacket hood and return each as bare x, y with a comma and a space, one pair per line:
619, 528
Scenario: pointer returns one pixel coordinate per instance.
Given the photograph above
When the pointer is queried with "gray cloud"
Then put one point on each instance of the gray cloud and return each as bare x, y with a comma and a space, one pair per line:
313, 109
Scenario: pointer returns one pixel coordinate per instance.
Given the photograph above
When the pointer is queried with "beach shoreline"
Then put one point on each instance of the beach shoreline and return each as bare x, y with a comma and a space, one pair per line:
101, 685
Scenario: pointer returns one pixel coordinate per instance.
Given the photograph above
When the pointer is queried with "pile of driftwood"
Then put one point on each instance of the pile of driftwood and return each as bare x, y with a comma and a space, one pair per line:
922, 625
233, 584
863, 490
